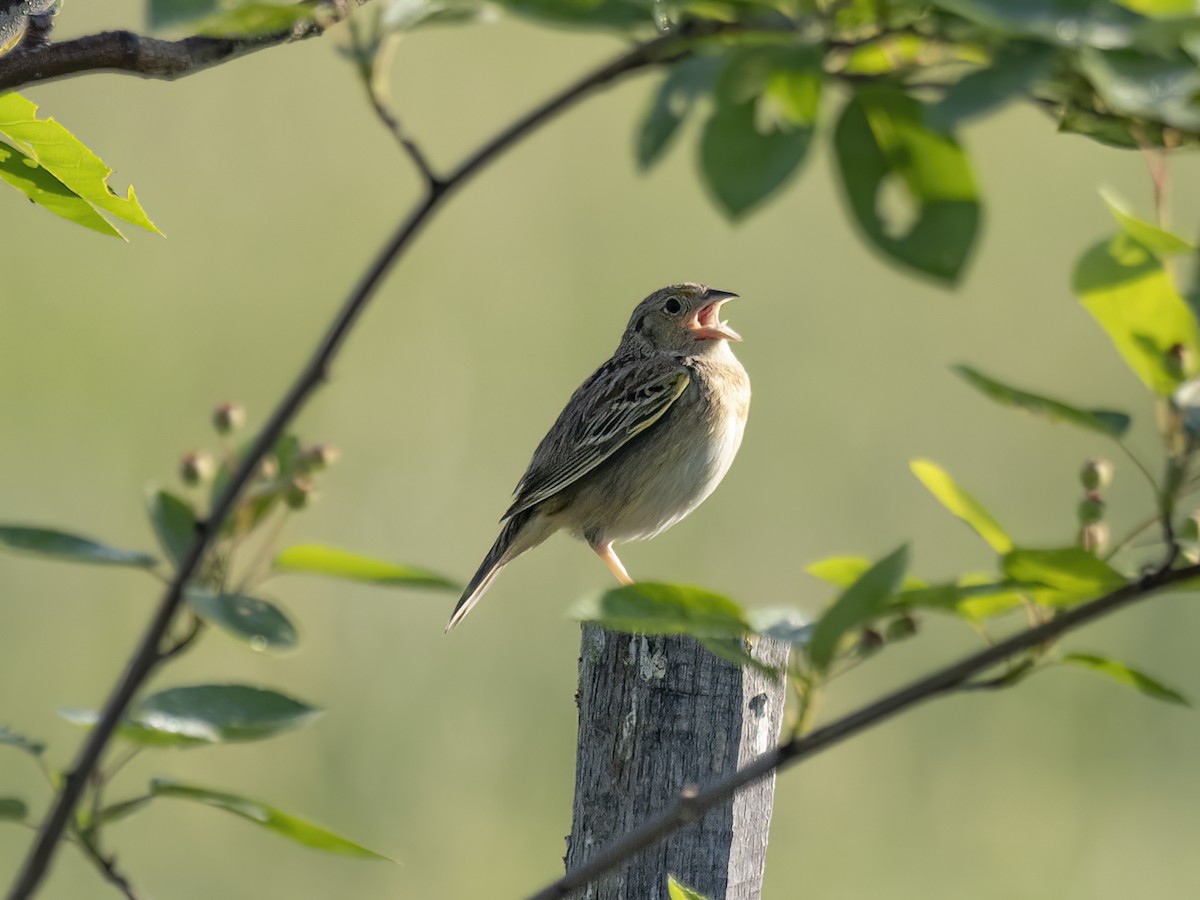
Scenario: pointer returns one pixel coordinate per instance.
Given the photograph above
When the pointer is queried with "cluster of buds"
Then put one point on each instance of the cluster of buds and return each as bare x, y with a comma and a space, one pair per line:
1095, 475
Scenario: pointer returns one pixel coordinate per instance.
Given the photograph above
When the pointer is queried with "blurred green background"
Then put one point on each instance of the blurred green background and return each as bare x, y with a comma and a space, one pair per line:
455, 754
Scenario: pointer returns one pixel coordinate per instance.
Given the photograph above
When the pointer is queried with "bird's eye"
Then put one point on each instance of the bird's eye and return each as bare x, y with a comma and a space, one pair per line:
672, 306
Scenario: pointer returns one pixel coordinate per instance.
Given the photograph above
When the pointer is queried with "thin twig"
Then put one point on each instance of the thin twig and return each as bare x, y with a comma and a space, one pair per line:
951, 678
146, 655
106, 864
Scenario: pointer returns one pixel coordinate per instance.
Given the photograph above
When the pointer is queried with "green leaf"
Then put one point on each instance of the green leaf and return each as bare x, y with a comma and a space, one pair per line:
46, 191
206, 714
864, 600
1011, 74
319, 560
676, 891
62, 155
13, 809
70, 547
1111, 424
973, 598
12, 739
1134, 84
762, 126
262, 625
1166, 9
652, 608
267, 817
174, 523
939, 483
1125, 675
1071, 573
251, 20
671, 104
408, 15
885, 153
1127, 290
843, 571
164, 13
1067, 23
1158, 241
118, 811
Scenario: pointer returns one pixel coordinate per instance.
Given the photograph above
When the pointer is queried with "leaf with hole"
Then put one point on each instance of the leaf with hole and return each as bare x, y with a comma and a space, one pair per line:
947, 492
886, 152
1106, 422
257, 622
24, 174
1130, 294
865, 600
1126, 675
653, 608
69, 547
268, 817
315, 559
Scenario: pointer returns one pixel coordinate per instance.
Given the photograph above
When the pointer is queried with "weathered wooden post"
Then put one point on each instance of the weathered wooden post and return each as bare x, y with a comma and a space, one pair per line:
657, 714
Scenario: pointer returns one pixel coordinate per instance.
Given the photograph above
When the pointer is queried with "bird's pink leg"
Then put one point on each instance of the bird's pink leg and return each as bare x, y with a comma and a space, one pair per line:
606, 553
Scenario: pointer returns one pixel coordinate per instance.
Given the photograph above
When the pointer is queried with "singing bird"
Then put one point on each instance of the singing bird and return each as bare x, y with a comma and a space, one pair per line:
640, 444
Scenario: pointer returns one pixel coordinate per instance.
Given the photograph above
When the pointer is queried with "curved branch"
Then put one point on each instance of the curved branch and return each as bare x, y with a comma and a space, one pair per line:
147, 655
692, 804
130, 53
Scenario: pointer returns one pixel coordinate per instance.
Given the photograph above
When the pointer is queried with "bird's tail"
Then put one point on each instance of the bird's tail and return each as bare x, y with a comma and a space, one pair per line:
508, 546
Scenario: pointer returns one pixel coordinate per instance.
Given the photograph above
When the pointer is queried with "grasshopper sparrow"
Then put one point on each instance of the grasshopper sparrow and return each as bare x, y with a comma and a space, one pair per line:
641, 443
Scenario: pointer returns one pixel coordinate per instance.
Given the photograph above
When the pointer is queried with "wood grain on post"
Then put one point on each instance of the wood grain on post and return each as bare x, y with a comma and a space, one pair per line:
657, 715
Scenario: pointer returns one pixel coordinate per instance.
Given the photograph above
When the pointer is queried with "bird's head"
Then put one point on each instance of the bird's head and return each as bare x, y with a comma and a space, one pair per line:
682, 317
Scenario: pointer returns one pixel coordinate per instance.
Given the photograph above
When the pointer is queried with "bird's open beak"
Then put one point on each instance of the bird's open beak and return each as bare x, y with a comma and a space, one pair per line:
705, 323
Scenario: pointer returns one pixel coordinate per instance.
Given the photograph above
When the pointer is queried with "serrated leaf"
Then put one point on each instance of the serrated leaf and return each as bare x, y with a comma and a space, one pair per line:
174, 523
253, 19
1126, 675
261, 624
672, 102
843, 571
654, 608
10, 738
46, 191
676, 891
206, 714
1106, 422
1071, 573
62, 155
867, 598
268, 817
70, 547
1160, 242
947, 492
315, 559
13, 809
1129, 293
881, 142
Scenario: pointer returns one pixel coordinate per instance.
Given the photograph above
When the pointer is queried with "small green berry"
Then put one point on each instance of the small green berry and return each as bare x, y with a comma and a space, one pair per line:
1096, 474
197, 467
299, 493
1190, 529
1091, 509
228, 417
899, 628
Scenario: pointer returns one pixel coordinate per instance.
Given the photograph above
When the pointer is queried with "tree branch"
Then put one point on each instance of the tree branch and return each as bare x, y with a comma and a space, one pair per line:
130, 53
694, 804
146, 655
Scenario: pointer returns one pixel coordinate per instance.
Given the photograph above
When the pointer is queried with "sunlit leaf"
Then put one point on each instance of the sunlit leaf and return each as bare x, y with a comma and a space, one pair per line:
1106, 422
939, 483
843, 571
174, 523
1125, 675
319, 560
10, 738
1160, 242
1071, 573
1127, 290
859, 604
249, 20
46, 191
652, 608
62, 155
262, 625
884, 149
971, 600
69, 547
265, 816
206, 714
676, 891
